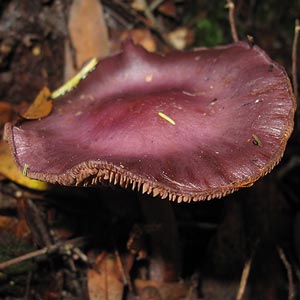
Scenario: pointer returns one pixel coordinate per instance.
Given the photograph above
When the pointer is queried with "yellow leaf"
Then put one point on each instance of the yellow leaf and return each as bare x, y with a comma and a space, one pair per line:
9, 169
41, 106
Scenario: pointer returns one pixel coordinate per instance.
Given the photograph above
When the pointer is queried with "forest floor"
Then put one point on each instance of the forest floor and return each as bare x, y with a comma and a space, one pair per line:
92, 243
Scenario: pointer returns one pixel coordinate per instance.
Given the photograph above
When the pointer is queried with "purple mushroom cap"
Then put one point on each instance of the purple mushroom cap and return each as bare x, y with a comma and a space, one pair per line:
188, 125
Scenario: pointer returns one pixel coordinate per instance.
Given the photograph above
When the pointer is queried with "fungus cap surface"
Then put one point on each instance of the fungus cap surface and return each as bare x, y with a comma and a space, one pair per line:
187, 126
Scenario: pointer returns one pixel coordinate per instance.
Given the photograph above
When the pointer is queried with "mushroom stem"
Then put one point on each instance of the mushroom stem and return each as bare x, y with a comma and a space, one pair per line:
164, 242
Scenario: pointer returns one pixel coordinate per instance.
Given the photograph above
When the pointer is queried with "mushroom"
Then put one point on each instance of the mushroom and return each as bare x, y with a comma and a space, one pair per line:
186, 126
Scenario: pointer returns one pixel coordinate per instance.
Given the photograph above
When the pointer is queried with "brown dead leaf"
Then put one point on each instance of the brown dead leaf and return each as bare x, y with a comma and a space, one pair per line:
162, 290
6, 223
168, 8
55, 287
9, 170
216, 289
6, 112
22, 231
150, 293
41, 106
105, 283
141, 284
88, 33
141, 37
138, 5
15, 226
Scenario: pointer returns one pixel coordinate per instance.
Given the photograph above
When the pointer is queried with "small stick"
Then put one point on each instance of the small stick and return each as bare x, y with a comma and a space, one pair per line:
294, 59
289, 271
37, 224
133, 17
45, 250
155, 4
230, 6
77, 252
244, 280
148, 13
124, 272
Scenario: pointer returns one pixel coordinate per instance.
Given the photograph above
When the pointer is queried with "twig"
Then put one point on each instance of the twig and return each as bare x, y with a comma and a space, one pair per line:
155, 4
128, 14
46, 250
294, 59
148, 13
134, 18
37, 224
124, 271
78, 253
118, 18
244, 279
289, 271
230, 6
